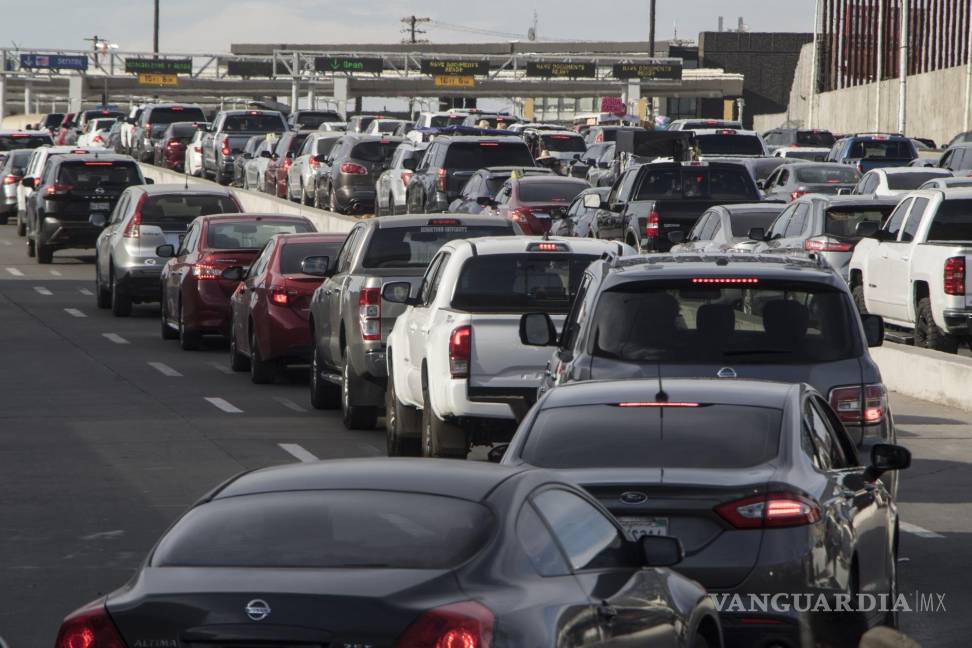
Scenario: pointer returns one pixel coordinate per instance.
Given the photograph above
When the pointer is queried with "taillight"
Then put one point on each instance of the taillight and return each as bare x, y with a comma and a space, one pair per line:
313, 162
133, 229
461, 625
853, 406
205, 270
770, 510
173, 143
89, 627
96, 139
58, 189
796, 194
406, 178
286, 164
353, 169
521, 215
198, 149
279, 296
369, 313
824, 244
225, 148
955, 276
651, 228
443, 180
460, 351
11, 179
860, 167
148, 129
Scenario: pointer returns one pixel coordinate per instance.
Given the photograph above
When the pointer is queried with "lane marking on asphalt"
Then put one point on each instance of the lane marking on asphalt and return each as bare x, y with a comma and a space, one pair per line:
114, 337
289, 404
56, 273
74, 312
6, 242
15, 272
220, 367
224, 405
914, 529
85, 291
41, 290
298, 452
165, 369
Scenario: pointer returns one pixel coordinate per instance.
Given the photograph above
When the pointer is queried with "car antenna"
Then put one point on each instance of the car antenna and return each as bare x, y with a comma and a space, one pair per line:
661, 396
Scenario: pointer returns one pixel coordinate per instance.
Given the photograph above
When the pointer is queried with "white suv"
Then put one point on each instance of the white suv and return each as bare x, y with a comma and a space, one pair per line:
458, 375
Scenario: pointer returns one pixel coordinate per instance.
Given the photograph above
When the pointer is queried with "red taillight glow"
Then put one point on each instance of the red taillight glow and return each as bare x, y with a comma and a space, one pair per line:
97, 164
206, 270
225, 148
133, 229
313, 162
827, 245
521, 215
279, 297
406, 178
796, 194
11, 179
652, 227
97, 139
89, 627
547, 247
460, 351
725, 280
659, 404
286, 163
955, 276
369, 313
853, 407
58, 189
770, 510
461, 625
353, 169
442, 180
444, 221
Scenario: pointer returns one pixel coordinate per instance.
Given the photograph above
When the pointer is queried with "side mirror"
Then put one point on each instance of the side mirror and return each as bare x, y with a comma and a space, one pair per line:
28, 182
757, 234
233, 273
661, 551
266, 154
592, 201
485, 201
149, 181
315, 266
247, 156
867, 229
410, 164
166, 251
676, 237
603, 165
577, 156
537, 329
397, 292
886, 457
495, 454
873, 329
98, 220
761, 184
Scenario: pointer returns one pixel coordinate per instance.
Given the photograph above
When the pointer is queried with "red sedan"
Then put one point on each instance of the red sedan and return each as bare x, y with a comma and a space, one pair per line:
195, 295
270, 307
276, 176
532, 202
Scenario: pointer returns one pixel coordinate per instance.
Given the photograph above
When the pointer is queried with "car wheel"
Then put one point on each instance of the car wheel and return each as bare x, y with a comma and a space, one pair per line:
858, 292
397, 419
332, 200
188, 338
45, 253
303, 194
21, 226
434, 430
31, 248
324, 395
102, 294
356, 417
927, 333
121, 304
238, 361
262, 372
168, 333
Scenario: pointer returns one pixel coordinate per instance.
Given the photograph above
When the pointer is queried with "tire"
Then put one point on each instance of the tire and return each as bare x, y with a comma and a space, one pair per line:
303, 195
397, 418
316, 200
21, 226
332, 201
168, 333
324, 395
262, 372
434, 429
238, 361
356, 417
188, 338
102, 294
4, 220
31, 248
927, 333
45, 253
121, 304
858, 292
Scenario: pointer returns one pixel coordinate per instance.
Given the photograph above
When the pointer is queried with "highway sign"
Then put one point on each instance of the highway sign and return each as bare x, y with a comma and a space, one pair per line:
454, 67
148, 78
655, 70
159, 66
348, 64
53, 62
249, 68
454, 81
560, 70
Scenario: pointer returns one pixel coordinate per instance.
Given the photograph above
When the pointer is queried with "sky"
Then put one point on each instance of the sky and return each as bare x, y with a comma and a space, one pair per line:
210, 26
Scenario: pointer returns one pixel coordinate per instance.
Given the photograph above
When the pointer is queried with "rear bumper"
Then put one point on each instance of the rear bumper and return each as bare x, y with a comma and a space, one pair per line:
456, 399
205, 307
287, 336
355, 194
141, 283
55, 233
958, 321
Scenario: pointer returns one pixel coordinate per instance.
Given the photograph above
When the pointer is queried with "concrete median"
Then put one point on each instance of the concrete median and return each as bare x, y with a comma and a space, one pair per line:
928, 375
325, 221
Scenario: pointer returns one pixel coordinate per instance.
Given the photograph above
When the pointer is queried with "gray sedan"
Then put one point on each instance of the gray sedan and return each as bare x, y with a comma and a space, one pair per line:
759, 480
791, 181
724, 227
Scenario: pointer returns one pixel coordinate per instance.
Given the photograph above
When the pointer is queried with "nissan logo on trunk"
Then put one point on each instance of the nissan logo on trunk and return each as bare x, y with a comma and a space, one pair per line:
257, 610
633, 497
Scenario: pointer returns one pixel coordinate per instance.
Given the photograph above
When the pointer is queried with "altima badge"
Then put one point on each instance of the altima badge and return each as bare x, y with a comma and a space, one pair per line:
257, 610
727, 372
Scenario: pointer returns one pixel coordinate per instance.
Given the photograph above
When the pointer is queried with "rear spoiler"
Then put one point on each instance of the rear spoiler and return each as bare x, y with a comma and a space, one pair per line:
677, 145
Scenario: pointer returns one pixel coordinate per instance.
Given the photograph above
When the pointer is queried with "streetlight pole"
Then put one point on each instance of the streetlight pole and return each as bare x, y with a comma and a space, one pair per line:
903, 70
155, 31
813, 63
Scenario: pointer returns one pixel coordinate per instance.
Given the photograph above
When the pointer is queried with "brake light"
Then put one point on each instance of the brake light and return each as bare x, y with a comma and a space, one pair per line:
489, 144
860, 168
442, 180
521, 215
954, 275
369, 313
796, 194
460, 351
89, 627
651, 229
173, 143
770, 510
460, 625
58, 189
313, 162
177, 109
11, 179
725, 131
825, 244
444, 221
225, 148
148, 129
279, 296
97, 139
198, 149
853, 407
406, 178
133, 229
725, 280
353, 169
548, 247
286, 163
205, 270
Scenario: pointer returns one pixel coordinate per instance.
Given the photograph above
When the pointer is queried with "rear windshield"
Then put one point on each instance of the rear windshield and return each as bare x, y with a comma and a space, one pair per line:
311, 121
374, 151
477, 155
8, 142
19, 161
176, 211
439, 121
328, 529
815, 138
697, 182
490, 122
250, 235
711, 436
835, 174
806, 154
81, 175
520, 282
882, 149
843, 221
324, 145
564, 143
909, 181
258, 123
952, 222
169, 115
414, 247
560, 192
296, 142
389, 126
293, 253
683, 322
742, 222
183, 130
53, 120
713, 145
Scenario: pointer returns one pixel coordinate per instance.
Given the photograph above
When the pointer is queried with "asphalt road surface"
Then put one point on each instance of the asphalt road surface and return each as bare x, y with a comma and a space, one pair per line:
107, 433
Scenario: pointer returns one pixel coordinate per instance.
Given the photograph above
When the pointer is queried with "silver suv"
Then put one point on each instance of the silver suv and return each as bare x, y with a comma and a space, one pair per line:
127, 268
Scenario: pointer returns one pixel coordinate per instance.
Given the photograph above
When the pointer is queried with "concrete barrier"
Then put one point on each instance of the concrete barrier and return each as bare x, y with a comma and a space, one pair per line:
260, 203
928, 375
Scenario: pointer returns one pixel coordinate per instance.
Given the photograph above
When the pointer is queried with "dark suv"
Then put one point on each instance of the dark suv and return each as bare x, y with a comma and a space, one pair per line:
73, 199
154, 121
352, 168
450, 161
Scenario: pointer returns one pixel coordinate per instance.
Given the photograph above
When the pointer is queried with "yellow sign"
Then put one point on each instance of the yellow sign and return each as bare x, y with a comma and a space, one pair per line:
448, 81
158, 79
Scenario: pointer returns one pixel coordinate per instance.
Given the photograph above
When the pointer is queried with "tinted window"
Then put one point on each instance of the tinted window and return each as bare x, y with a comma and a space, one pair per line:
311, 121
539, 545
178, 114
742, 222
182, 130
898, 216
588, 538
176, 211
563, 143
323, 529
477, 155
388, 126
374, 151
258, 123
843, 221
414, 247
729, 145
550, 191
681, 322
81, 175
815, 138
881, 149
324, 146
696, 182
909, 181
831, 174
296, 142
952, 221
8, 142
914, 219
438, 121
520, 282
293, 253
17, 161
708, 437
249, 235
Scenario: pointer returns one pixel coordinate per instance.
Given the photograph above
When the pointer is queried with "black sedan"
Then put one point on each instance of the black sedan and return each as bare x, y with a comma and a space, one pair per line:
405, 553
759, 480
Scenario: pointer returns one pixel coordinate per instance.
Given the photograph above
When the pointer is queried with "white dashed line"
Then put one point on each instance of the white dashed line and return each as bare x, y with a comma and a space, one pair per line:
914, 529
224, 405
85, 291
74, 312
220, 367
41, 290
15, 272
56, 273
165, 369
298, 452
289, 404
6, 242
114, 337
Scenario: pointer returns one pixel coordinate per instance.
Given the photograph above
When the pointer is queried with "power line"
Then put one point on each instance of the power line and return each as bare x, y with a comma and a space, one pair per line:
411, 30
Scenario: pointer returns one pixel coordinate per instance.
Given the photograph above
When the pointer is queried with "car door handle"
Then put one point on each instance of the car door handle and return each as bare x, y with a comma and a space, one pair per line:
607, 612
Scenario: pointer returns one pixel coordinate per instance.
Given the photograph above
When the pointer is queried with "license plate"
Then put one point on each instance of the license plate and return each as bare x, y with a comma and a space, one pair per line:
644, 526
100, 206
540, 215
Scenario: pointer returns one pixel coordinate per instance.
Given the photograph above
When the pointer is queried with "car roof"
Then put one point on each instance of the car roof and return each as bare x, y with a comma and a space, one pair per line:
180, 188
95, 157
546, 179
171, 105
311, 237
758, 393
683, 265
248, 216
755, 206
470, 480
515, 244
721, 131
910, 170
854, 201
448, 139
507, 170
415, 220
18, 131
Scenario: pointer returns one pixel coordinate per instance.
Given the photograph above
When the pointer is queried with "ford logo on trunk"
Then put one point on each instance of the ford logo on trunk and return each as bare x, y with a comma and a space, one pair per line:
257, 610
633, 497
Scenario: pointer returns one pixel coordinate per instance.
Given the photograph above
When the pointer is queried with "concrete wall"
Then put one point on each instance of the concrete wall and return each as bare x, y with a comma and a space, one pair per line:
928, 375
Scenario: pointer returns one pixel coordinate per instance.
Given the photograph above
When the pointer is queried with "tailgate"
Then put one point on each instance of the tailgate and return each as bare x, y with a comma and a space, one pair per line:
869, 164
677, 215
499, 360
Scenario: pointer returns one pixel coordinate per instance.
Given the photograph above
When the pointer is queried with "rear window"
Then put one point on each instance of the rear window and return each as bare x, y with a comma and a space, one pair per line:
18, 160
293, 253
83, 175
328, 529
564, 143
389, 126
520, 282
836, 174
250, 235
9, 142
170, 115
909, 181
254, 123
312, 121
711, 436
477, 155
697, 182
550, 191
296, 142
952, 222
882, 149
713, 145
414, 247
182, 130
815, 138
176, 211
324, 145
805, 154
742, 222
439, 121
843, 221
768, 322
374, 151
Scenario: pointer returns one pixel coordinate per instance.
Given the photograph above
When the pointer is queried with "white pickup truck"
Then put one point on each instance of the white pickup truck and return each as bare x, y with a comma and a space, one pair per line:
912, 271
458, 375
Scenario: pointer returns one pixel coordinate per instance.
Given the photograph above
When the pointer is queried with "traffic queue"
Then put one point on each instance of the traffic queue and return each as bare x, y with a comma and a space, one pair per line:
661, 337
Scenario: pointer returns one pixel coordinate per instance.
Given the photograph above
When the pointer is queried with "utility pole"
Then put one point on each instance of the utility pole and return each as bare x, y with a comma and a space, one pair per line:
412, 31
879, 67
650, 101
812, 95
903, 70
155, 32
